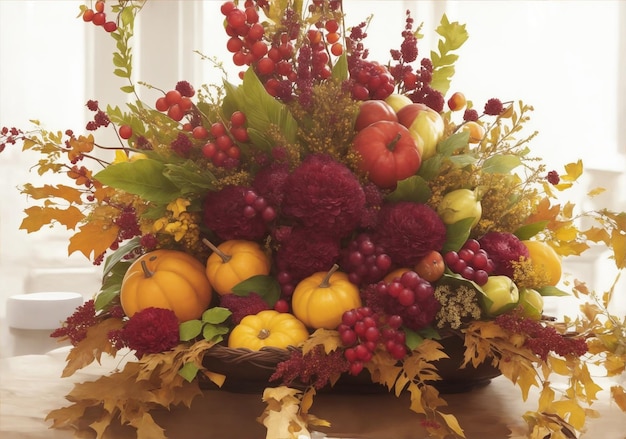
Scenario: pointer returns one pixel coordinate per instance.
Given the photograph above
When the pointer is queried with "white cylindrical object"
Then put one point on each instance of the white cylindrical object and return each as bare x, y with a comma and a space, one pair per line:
41, 311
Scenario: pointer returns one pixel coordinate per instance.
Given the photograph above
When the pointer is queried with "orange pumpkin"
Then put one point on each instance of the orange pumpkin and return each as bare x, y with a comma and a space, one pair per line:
233, 262
320, 300
167, 279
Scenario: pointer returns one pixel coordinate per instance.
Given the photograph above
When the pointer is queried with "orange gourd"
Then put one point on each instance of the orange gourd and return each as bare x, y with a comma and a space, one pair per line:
167, 279
320, 300
233, 262
268, 328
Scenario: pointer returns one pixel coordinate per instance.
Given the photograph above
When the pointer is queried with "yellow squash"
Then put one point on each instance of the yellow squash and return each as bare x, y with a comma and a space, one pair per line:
233, 262
320, 300
167, 279
268, 328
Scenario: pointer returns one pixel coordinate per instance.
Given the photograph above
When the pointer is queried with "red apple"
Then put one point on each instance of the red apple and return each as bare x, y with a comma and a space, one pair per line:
374, 111
425, 125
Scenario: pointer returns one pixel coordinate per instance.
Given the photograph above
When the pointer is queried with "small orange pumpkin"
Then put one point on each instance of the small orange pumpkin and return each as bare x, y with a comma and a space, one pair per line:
320, 300
233, 262
167, 279
268, 328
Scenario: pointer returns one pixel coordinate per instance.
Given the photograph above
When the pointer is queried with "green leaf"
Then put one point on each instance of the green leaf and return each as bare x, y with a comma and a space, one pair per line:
463, 160
214, 332
128, 89
501, 163
105, 298
189, 178
412, 339
216, 315
454, 34
143, 178
451, 144
119, 254
190, 329
530, 230
340, 69
265, 286
413, 189
188, 371
551, 291
457, 234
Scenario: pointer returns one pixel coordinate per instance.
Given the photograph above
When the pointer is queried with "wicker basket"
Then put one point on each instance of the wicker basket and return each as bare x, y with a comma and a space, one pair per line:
249, 371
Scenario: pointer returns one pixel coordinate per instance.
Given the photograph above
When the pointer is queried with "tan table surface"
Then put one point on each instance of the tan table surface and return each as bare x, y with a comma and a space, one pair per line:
30, 386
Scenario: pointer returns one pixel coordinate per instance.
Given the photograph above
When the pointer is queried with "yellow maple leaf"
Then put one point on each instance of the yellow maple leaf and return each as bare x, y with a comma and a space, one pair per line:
68, 193
147, 428
92, 347
93, 238
38, 216
573, 171
453, 423
618, 242
329, 338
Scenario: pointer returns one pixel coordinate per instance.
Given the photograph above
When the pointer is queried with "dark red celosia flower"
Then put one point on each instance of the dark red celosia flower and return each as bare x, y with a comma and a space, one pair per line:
185, 88
92, 105
316, 367
242, 306
303, 252
470, 115
223, 214
553, 178
493, 107
75, 326
269, 183
373, 201
503, 248
149, 331
408, 231
325, 196
182, 145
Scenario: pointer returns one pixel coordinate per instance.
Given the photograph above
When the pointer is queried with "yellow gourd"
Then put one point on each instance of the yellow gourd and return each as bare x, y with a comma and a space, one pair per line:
268, 328
233, 262
320, 300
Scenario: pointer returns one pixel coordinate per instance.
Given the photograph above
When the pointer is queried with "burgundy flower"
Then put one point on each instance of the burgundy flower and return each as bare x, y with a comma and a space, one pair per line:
303, 252
269, 183
503, 248
409, 231
149, 331
325, 196
241, 306
223, 214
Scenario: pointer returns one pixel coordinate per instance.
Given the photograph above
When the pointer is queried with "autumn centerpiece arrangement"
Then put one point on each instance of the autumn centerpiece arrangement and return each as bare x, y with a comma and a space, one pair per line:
332, 215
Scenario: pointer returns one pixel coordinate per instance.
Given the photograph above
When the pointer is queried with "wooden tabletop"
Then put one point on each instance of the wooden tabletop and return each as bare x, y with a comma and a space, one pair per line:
30, 386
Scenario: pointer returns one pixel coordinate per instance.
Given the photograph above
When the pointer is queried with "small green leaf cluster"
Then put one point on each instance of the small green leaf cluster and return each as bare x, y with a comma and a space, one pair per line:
211, 326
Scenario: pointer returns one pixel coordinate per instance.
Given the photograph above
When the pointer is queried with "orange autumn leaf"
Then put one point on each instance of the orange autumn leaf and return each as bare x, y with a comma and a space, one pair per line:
92, 347
544, 212
327, 337
68, 193
619, 396
79, 146
37, 217
93, 238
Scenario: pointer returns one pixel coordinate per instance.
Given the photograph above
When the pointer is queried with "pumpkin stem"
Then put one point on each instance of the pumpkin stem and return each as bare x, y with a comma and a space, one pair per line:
263, 334
220, 253
392, 144
146, 270
326, 281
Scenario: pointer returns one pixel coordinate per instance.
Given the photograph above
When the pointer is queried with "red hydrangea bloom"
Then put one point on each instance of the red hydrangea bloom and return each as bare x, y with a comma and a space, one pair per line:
409, 231
325, 196
493, 107
303, 252
149, 331
223, 214
503, 248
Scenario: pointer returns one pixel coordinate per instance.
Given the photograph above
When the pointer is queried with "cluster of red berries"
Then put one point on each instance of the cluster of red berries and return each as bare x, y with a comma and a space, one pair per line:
176, 103
220, 146
98, 17
364, 261
257, 205
361, 332
471, 262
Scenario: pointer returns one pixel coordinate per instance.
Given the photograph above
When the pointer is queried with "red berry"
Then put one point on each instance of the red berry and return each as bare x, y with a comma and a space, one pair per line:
125, 132
99, 18
217, 129
88, 15
237, 119
99, 6
173, 97
161, 104
110, 26
176, 113
209, 149
200, 133
281, 305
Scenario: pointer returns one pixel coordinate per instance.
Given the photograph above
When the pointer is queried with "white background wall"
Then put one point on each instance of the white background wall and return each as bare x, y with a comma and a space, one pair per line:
566, 58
